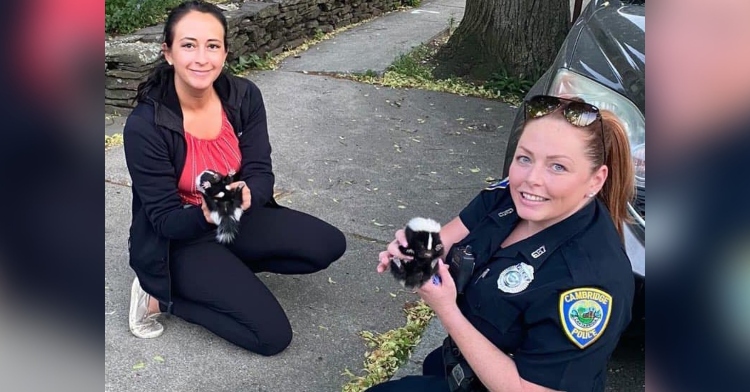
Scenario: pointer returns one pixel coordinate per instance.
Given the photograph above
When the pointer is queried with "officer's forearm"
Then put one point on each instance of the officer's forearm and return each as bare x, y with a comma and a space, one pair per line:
495, 369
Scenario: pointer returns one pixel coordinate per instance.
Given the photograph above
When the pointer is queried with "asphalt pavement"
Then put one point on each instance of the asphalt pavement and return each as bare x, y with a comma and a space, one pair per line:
362, 157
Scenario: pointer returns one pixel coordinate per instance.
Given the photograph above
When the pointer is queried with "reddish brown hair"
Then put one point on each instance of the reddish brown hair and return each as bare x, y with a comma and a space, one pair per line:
619, 188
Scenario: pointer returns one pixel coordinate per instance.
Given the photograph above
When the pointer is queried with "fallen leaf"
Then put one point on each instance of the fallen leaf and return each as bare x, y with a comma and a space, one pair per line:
158, 358
322, 327
460, 119
331, 281
341, 137
402, 207
421, 121
488, 109
377, 224
475, 170
335, 200
139, 365
310, 180
392, 295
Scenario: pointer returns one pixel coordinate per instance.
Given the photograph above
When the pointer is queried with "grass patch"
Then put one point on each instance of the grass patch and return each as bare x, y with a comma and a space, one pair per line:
387, 351
127, 16
415, 70
112, 141
252, 62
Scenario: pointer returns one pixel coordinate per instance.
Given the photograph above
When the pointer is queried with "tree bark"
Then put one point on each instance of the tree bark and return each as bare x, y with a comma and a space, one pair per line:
517, 38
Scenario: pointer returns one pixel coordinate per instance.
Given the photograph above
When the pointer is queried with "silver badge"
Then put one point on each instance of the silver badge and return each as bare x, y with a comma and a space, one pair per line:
506, 212
516, 278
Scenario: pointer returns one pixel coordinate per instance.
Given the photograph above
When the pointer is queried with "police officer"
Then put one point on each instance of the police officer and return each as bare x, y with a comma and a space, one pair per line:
536, 288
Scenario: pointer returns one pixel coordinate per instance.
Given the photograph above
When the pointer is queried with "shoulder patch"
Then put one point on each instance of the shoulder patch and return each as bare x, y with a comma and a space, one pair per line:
502, 184
584, 314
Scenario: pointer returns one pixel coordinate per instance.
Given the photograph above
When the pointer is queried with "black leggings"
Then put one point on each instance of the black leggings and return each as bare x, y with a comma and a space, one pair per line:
215, 286
431, 380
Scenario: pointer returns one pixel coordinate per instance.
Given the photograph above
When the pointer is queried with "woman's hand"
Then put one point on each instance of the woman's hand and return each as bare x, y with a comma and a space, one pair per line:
441, 298
392, 251
206, 213
246, 196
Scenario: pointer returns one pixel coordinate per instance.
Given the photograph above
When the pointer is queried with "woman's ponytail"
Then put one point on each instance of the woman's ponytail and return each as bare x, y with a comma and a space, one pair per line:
619, 189
158, 78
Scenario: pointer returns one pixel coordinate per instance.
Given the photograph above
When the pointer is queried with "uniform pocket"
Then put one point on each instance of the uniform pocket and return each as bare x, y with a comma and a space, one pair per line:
494, 309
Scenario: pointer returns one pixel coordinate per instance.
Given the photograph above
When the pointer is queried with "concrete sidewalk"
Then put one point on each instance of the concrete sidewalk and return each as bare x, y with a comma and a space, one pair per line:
374, 46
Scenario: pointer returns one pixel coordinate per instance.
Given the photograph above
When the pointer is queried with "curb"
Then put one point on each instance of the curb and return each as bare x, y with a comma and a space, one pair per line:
432, 338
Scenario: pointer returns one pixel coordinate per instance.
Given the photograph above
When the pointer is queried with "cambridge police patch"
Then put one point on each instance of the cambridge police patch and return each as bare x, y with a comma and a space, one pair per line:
502, 184
584, 313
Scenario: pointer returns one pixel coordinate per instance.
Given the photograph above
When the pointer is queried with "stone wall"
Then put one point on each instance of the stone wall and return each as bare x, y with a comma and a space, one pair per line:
255, 27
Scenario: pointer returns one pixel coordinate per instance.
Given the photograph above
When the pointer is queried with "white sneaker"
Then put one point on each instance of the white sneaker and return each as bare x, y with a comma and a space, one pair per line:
142, 324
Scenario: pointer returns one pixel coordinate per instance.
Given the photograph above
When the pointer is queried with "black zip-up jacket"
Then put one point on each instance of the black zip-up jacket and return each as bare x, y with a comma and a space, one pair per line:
155, 151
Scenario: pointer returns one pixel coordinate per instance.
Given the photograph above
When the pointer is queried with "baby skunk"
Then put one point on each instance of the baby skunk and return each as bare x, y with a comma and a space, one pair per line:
225, 205
424, 245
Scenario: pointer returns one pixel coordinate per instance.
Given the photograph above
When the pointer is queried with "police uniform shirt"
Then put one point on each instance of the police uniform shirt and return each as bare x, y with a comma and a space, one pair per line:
556, 302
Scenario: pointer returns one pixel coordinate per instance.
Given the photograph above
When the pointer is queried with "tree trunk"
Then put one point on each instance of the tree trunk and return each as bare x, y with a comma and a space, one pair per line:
517, 38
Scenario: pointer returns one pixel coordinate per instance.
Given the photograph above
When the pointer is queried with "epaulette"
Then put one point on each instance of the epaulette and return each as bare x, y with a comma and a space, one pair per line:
502, 184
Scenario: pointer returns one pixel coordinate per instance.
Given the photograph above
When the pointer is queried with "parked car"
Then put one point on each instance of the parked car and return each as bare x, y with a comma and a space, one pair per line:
603, 60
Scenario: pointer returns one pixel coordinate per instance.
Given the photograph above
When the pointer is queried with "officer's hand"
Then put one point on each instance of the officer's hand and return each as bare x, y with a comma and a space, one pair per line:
392, 251
440, 297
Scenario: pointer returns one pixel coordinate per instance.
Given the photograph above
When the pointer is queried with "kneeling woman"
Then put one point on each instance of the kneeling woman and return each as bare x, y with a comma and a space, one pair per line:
551, 289
190, 117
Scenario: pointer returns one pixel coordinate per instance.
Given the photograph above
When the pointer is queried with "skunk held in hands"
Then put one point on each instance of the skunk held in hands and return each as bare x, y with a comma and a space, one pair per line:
224, 204
424, 245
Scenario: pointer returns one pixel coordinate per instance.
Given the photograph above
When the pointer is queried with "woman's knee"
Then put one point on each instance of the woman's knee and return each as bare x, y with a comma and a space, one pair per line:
275, 341
270, 339
329, 247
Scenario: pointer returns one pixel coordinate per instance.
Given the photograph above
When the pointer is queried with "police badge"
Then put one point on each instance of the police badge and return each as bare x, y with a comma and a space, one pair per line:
516, 278
584, 314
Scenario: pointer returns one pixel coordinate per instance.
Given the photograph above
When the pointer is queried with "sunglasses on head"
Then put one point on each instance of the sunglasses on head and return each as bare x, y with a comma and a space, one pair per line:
577, 113
580, 114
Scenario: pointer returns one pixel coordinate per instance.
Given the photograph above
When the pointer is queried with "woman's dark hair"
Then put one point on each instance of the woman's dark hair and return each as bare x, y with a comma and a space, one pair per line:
619, 188
163, 72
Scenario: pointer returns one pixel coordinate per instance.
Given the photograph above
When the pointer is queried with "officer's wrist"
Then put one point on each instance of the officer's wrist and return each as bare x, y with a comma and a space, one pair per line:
448, 312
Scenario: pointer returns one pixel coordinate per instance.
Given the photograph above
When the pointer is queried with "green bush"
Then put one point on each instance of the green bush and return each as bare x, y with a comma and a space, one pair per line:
126, 16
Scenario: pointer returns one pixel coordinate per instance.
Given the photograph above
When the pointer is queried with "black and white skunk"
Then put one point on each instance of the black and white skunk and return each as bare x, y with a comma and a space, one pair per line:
424, 245
224, 204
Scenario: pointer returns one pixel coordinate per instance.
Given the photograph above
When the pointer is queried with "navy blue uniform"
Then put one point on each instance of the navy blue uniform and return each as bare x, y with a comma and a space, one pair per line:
557, 302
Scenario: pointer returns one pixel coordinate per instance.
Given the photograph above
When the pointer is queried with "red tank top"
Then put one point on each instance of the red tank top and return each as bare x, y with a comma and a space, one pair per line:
221, 154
